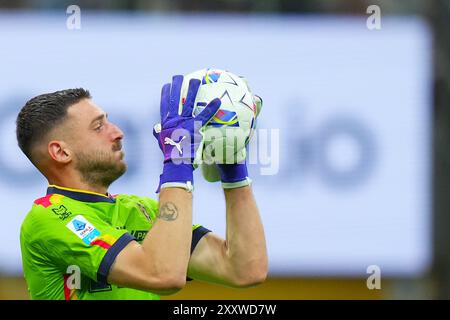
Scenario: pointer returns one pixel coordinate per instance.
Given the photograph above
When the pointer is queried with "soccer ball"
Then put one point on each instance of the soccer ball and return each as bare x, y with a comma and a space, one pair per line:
225, 137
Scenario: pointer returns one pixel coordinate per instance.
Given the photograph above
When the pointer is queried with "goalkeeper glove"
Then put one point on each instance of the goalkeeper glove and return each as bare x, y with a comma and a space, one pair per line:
179, 135
232, 175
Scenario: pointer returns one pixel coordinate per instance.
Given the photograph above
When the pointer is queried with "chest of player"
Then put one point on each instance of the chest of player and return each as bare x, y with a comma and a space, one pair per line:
132, 216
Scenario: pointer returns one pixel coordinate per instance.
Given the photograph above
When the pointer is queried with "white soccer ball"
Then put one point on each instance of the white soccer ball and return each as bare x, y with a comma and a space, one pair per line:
225, 137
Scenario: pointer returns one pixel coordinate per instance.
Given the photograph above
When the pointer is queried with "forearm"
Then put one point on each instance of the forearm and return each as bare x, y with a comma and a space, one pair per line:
168, 242
245, 241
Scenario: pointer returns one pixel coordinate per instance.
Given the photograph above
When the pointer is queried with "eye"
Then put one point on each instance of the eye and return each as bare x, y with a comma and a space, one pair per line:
98, 127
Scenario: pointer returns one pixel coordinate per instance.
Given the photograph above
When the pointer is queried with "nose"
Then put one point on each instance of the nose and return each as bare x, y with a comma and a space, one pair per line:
117, 134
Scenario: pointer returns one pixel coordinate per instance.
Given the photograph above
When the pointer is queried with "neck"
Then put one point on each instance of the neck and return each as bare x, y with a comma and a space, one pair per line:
75, 182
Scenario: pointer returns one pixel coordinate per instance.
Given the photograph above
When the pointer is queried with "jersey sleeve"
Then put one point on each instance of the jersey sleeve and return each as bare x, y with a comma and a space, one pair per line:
83, 240
198, 231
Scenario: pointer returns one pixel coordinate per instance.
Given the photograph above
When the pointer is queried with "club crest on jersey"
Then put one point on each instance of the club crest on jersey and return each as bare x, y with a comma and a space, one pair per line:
83, 229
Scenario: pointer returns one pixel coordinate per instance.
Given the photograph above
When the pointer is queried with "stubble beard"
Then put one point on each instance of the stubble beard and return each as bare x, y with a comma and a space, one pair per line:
99, 168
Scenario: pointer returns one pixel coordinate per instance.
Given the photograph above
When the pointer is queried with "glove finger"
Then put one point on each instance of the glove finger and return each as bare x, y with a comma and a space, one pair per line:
211, 109
175, 91
188, 105
164, 106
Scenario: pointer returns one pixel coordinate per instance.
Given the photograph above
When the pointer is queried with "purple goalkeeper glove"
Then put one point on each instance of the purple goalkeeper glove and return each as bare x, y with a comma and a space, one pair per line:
236, 175
179, 134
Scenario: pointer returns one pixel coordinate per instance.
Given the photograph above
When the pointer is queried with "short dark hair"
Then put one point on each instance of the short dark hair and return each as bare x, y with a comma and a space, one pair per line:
43, 113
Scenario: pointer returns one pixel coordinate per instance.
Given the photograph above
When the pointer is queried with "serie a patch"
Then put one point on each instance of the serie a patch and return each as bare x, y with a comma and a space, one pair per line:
83, 229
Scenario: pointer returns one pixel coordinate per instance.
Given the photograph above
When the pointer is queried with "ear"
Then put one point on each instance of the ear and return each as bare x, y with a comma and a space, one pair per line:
59, 151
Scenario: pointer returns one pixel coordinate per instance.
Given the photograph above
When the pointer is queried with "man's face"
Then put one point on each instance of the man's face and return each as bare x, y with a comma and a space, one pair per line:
96, 144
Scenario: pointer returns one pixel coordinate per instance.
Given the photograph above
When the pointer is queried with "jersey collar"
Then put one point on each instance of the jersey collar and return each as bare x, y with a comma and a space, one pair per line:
80, 195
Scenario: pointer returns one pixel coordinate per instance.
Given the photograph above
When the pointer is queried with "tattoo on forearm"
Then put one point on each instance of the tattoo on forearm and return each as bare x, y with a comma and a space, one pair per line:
168, 212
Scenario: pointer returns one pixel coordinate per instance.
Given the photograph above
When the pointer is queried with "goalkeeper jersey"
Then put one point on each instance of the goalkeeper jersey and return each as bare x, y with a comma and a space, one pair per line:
70, 239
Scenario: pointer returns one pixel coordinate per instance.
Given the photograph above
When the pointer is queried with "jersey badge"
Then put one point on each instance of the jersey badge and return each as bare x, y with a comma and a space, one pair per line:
83, 229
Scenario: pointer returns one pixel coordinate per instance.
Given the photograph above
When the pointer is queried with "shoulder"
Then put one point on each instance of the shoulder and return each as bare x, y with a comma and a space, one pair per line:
44, 207
46, 212
54, 206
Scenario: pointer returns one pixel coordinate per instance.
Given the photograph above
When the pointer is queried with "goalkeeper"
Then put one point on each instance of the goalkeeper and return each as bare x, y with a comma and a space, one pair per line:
80, 242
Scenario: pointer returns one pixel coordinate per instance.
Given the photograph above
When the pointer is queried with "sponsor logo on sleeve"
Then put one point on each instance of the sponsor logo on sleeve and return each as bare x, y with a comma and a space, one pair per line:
83, 229
139, 234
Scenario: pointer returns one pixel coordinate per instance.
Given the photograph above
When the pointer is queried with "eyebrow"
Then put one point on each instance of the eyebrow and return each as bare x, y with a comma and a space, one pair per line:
100, 117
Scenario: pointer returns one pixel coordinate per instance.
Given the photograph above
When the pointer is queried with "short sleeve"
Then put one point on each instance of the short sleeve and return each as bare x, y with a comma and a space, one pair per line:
198, 231
83, 240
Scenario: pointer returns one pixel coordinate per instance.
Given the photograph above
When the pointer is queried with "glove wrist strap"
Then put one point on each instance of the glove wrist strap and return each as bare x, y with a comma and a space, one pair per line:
234, 175
177, 176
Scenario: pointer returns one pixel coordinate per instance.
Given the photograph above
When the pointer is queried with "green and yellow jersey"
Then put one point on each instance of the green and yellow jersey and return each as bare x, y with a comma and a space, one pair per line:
72, 233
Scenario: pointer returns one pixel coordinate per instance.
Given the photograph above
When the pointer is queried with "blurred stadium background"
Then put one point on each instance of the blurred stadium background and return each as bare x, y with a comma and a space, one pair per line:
360, 177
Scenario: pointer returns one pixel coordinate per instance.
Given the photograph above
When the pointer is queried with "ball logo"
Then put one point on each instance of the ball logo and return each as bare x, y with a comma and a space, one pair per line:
210, 77
224, 117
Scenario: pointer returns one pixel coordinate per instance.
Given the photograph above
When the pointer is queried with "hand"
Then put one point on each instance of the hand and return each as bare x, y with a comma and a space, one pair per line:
179, 134
232, 175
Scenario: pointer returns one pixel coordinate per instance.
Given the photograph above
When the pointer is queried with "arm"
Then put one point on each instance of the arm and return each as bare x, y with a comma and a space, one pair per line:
241, 259
160, 263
